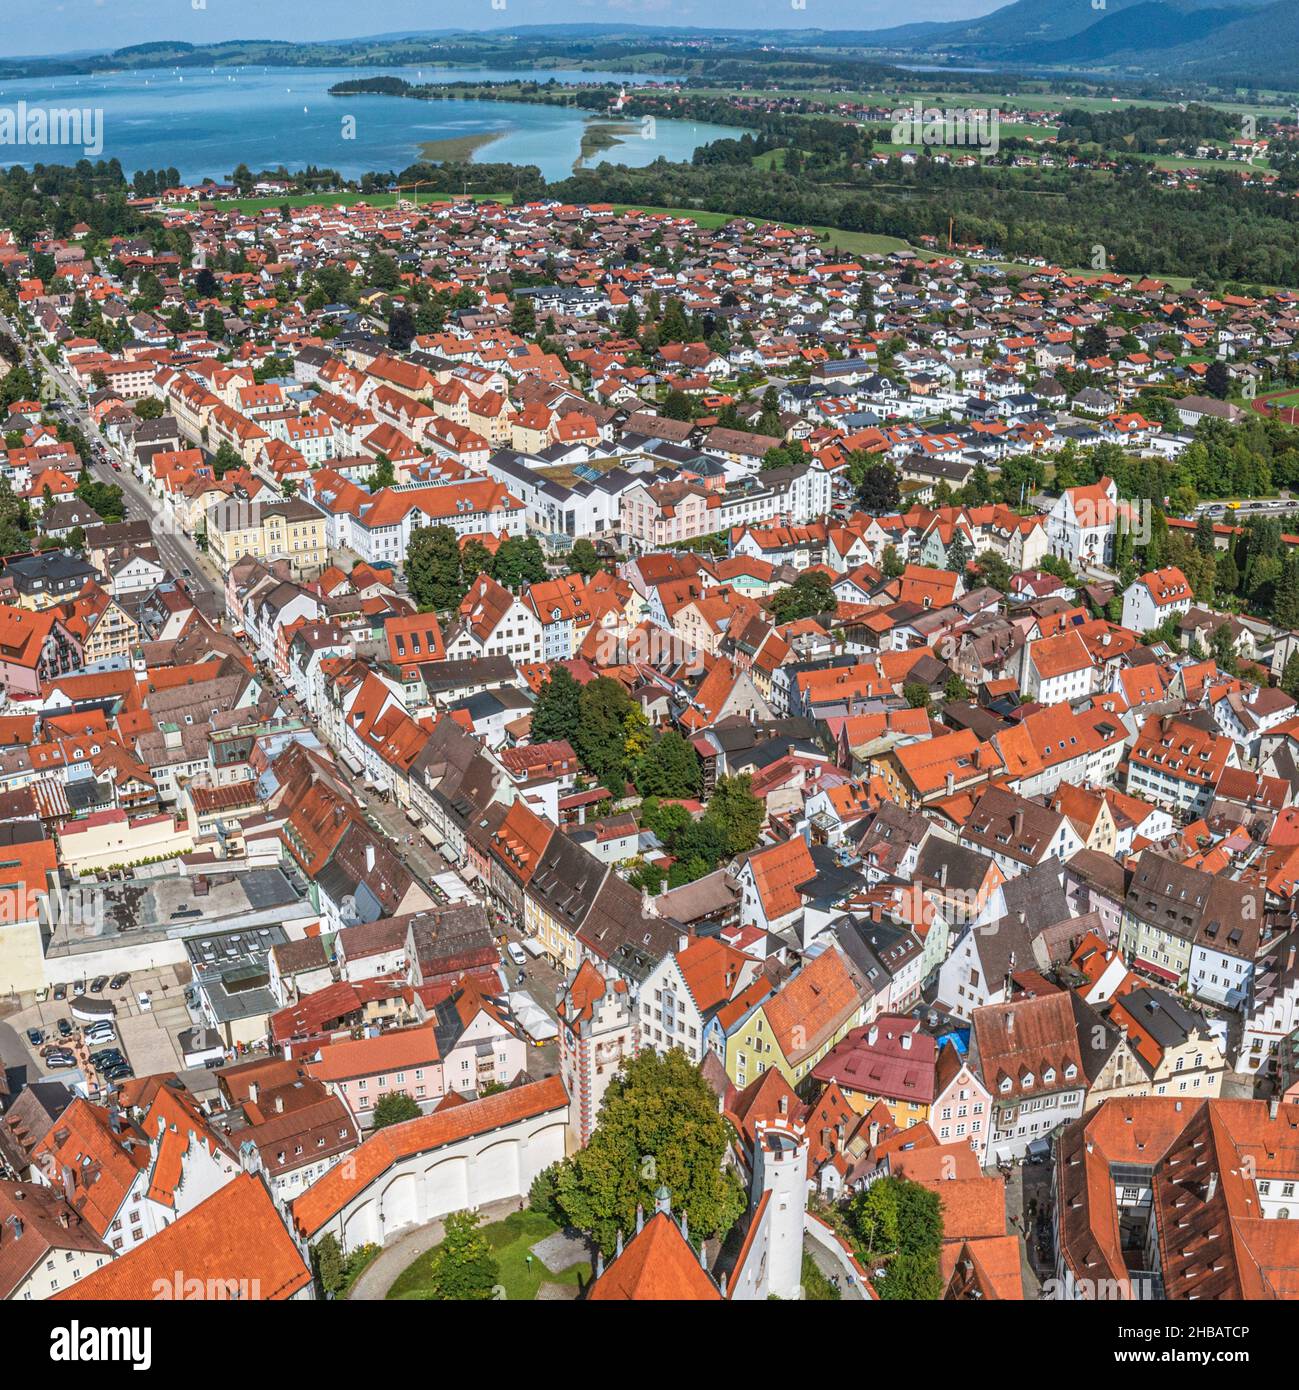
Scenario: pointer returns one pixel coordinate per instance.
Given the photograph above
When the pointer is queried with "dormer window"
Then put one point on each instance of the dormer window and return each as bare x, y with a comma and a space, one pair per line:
1048, 1076
1026, 1080
1005, 1085
1070, 1072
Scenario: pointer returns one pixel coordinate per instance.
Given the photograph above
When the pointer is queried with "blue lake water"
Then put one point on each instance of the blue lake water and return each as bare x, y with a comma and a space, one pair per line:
205, 122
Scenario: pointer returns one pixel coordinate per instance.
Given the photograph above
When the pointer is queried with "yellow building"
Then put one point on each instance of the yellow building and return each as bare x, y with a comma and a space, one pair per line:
292, 530
796, 1027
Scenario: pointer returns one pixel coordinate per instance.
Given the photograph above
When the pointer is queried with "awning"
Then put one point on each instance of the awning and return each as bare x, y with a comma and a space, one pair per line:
1160, 971
351, 763
433, 835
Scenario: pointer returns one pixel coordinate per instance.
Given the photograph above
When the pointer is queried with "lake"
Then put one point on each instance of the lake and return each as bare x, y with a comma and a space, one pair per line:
204, 122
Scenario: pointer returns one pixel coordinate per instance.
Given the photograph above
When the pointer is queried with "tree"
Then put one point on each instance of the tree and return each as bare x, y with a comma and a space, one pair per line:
993, 570
810, 594
327, 1257
583, 559
383, 474
900, 1222
433, 568
880, 491
670, 768
1217, 380
463, 1267
519, 560
401, 328
959, 553
1290, 676
605, 708
475, 559
659, 1127
739, 813
1222, 647
393, 1107
677, 406
916, 694
956, 689
523, 316
226, 458
557, 712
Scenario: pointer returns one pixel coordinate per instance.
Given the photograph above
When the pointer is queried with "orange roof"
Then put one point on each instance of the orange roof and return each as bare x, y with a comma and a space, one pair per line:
657, 1264
812, 1005
233, 1245
330, 1193
778, 871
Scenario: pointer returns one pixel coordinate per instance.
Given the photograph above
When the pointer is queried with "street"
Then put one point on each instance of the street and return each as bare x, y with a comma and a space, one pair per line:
178, 551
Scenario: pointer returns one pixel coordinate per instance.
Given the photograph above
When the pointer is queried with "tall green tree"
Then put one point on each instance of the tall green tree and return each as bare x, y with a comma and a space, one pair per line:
557, 713
738, 811
659, 1127
669, 768
433, 568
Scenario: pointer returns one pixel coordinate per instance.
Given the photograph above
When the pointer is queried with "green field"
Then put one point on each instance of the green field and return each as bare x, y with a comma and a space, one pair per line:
511, 1241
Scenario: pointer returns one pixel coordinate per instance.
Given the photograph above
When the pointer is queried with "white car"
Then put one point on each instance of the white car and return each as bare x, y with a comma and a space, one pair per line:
144, 1001
516, 953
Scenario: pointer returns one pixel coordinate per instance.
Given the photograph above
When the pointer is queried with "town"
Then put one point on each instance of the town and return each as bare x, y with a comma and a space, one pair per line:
561, 751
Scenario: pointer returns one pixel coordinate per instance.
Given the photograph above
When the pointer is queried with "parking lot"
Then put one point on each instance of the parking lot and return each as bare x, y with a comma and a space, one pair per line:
146, 1036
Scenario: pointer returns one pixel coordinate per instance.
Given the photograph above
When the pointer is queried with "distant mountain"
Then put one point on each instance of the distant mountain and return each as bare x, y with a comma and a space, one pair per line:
1258, 49
1147, 27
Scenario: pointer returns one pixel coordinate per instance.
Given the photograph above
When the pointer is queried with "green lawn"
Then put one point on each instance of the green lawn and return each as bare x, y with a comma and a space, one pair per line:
511, 1241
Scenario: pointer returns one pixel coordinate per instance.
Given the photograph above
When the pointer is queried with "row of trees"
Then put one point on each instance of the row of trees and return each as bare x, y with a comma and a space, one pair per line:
440, 571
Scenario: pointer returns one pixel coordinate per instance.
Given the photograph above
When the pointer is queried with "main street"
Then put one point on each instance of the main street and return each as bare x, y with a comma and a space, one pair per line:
178, 552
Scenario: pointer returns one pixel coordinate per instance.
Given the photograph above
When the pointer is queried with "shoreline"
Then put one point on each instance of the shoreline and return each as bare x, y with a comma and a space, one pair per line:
600, 135
458, 149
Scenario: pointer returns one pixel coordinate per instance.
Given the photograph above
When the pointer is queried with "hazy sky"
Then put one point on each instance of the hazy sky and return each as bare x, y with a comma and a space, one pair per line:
63, 26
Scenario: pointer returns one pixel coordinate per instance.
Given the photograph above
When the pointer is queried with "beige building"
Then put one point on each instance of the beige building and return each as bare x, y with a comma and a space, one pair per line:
110, 839
292, 530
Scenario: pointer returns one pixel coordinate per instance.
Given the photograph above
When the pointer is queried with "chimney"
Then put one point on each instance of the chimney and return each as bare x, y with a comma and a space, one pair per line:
1274, 1107
875, 1133
1017, 823
873, 1036
279, 1105
369, 858
252, 1092
784, 1105
951, 783
1211, 1187
906, 1042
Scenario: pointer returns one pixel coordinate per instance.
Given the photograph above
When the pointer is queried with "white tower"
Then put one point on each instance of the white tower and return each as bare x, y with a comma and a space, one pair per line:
780, 1169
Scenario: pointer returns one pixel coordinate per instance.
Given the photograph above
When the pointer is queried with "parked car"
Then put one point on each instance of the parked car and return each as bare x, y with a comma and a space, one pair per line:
99, 983
42, 994
35, 1037
64, 1027
56, 1061
144, 1001
517, 953
60, 991
100, 1033
79, 987
118, 981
